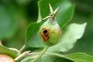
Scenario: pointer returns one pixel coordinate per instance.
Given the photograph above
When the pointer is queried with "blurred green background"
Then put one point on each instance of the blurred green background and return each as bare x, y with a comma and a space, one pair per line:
16, 15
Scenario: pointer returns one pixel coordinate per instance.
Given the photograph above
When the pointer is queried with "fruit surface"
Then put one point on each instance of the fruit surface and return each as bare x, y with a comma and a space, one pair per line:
50, 32
6, 58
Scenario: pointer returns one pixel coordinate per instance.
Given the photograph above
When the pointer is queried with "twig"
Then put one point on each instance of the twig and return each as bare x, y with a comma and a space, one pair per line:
22, 55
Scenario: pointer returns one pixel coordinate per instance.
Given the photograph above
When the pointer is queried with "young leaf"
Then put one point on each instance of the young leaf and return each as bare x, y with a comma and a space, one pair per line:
80, 57
73, 33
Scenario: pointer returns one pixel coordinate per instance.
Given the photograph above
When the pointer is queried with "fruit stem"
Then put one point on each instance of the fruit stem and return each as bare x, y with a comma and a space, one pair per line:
41, 54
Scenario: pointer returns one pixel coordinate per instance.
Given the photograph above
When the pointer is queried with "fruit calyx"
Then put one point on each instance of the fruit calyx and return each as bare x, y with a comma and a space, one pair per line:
52, 13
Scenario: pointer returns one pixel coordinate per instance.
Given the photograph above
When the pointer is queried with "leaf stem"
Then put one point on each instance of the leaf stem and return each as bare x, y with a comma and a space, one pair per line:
44, 50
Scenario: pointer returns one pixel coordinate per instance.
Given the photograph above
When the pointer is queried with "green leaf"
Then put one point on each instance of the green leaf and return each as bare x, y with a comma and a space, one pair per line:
28, 59
8, 24
87, 39
32, 35
31, 30
65, 12
34, 43
80, 57
48, 59
75, 57
72, 34
51, 58
5, 50
33, 39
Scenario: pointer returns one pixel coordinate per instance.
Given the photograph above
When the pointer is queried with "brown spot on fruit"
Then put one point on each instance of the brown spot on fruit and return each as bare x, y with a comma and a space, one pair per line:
45, 34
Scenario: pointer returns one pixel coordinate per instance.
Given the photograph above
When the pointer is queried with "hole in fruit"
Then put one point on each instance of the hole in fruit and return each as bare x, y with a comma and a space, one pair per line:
45, 32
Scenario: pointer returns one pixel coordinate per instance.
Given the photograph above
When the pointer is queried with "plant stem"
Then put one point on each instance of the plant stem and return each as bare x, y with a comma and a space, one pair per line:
24, 54
44, 50
23, 47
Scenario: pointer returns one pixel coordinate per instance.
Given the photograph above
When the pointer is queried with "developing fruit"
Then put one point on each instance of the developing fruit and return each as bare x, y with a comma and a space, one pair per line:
6, 58
50, 31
